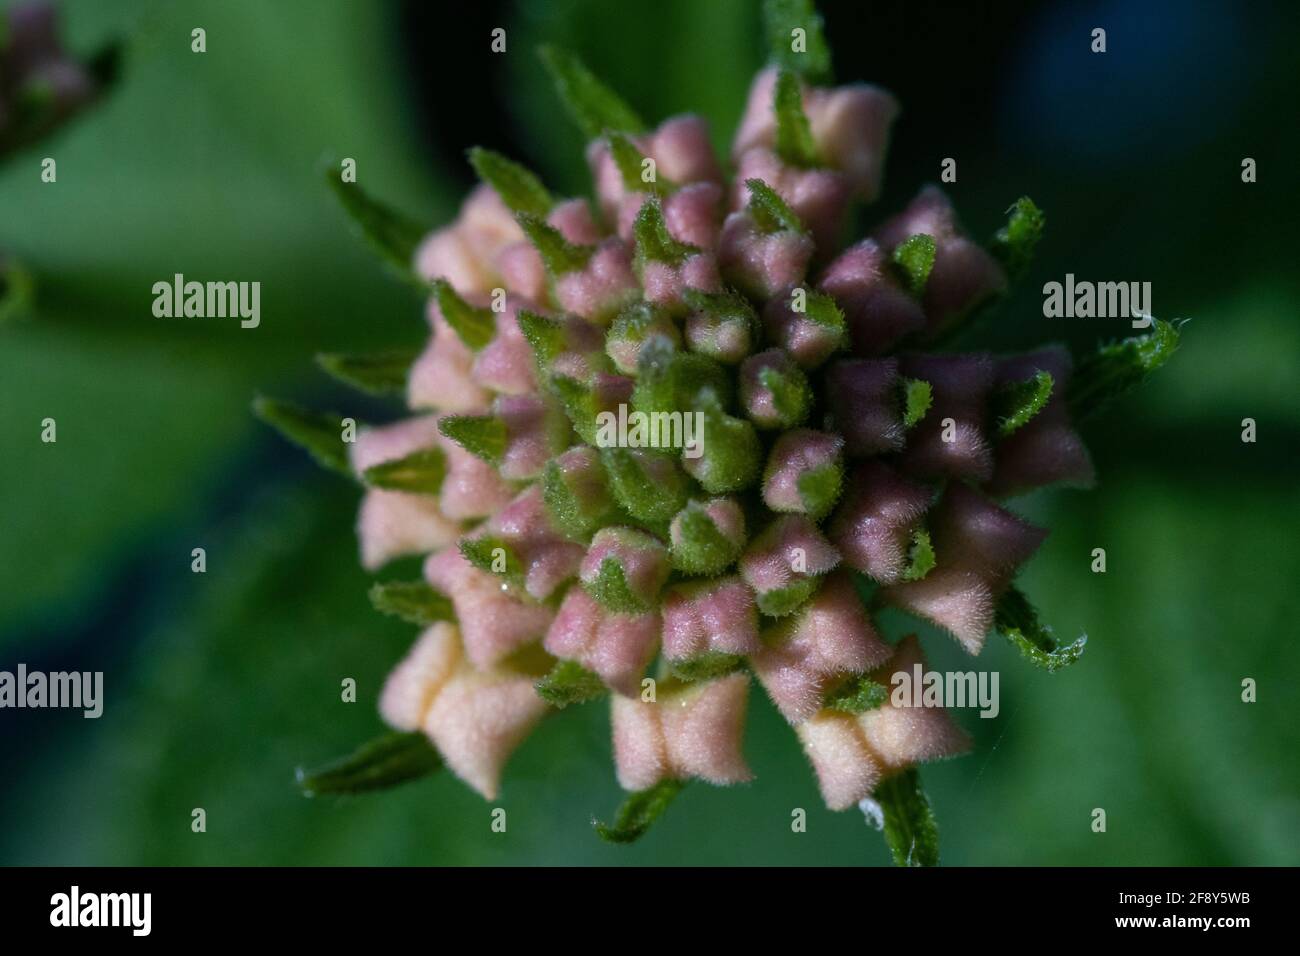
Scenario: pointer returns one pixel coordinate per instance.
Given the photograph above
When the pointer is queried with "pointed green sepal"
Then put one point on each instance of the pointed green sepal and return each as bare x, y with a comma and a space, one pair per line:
570, 683
387, 761
707, 666
796, 39
781, 602
910, 828
320, 434
916, 401
558, 254
794, 139
611, 591
638, 812
1114, 369
393, 235
1015, 242
670, 380
728, 456
791, 394
412, 601
857, 695
698, 546
914, 258
593, 105
493, 556
473, 325
420, 472
480, 435
653, 242
376, 373
920, 556
578, 504
518, 187
1018, 621
631, 165
769, 211
1017, 403
819, 488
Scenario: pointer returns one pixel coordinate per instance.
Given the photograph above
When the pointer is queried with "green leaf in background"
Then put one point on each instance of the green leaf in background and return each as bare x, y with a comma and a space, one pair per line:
518, 186
473, 325
594, 106
1114, 369
387, 761
1015, 242
794, 139
570, 683
412, 601
707, 666
781, 18
376, 373
914, 258
421, 472
481, 435
392, 234
16, 291
770, 211
653, 241
1017, 403
639, 812
320, 434
920, 556
917, 397
910, 828
857, 695
1018, 621
558, 254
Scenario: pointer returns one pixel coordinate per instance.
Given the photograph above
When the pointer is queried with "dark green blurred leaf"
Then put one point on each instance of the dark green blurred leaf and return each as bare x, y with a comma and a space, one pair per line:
639, 812
392, 234
387, 761
518, 187
16, 291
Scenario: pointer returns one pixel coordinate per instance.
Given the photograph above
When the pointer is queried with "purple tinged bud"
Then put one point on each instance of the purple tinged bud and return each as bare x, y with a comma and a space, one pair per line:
617, 647
862, 395
960, 385
963, 275
783, 563
805, 655
878, 311
1047, 449
691, 731
810, 342
505, 365
442, 377
472, 488
800, 458
604, 286
641, 559
765, 406
819, 197
762, 264
548, 559
536, 431
873, 526
716, 615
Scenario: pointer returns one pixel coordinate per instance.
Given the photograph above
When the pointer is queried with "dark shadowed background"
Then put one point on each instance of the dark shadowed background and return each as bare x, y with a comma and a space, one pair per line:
218, 685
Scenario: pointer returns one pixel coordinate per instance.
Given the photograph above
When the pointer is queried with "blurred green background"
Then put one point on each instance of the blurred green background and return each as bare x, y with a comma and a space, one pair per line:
217, 685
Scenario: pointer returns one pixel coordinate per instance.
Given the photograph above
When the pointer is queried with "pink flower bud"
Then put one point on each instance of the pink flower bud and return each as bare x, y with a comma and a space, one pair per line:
877, 310
808, 341
963, 274
693, 214
664, 283
785, 560
475, 718
494, 623
829, 637
693, 730
548, 559
536, 431
863, 398
761, 264
758, 401
604, 286
873, 525
960, 386
616, 647
641, 558
819, 197
471, 488
442, 377
716, 615
682, 153
795, 455
505, 364
851, 753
